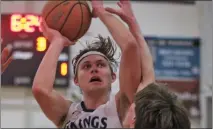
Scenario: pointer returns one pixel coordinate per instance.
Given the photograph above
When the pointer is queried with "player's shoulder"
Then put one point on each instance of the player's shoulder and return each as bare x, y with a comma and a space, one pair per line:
73, 105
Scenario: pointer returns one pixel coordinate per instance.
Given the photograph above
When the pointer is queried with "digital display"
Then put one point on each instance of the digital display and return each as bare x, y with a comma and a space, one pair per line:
26, 23
23, 33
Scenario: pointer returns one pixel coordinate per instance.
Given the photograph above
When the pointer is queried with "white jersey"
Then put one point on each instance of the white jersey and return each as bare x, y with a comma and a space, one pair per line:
105, 116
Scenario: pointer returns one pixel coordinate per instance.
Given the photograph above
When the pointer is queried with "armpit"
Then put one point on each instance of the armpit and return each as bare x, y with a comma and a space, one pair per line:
63, 118
123, 105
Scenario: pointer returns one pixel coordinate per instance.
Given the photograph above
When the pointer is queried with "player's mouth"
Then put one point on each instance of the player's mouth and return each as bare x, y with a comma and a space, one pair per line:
95, 79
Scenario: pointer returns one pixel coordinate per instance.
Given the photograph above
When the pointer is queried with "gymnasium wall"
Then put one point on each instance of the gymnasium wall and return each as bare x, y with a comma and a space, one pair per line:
155, 19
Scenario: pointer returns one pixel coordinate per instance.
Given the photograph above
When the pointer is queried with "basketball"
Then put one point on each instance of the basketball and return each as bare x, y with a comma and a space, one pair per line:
72, 18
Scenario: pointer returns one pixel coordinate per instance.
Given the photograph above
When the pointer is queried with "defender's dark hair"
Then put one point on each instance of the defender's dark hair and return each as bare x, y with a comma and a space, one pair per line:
102, 45
158, 108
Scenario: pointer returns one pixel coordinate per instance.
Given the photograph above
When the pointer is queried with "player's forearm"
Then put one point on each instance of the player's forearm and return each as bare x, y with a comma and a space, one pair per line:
129, 78
147, 67
118, 30
129, 72
45, 74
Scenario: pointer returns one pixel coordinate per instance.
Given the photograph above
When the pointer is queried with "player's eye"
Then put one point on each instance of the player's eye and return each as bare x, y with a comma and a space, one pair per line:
100, 65
86, 66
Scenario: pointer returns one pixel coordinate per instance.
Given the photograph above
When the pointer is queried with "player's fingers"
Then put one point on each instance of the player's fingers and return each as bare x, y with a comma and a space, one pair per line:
119, 4
5, 53
94, 13
43, 28
5, 65
72, 42
68, 42
124, 1
45, 35
10, 59
45, 24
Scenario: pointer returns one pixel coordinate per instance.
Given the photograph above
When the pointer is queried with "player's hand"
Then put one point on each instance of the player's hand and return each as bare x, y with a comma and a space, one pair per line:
125, 12
98, 7
52, 34
5, 61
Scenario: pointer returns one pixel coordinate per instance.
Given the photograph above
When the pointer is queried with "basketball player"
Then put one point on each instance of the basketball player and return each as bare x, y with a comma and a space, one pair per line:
94, 74
5, 59
155, 107
158, 108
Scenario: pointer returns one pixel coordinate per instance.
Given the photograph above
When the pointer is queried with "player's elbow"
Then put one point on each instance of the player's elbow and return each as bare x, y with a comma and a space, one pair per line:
36, 86
36, 90
130, 46
39, 86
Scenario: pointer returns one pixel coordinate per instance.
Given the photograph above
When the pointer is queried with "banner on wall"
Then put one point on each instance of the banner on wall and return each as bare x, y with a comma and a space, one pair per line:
177, 63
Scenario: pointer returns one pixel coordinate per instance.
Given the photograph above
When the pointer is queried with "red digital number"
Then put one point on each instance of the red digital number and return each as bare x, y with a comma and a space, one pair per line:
15, 23
27, 23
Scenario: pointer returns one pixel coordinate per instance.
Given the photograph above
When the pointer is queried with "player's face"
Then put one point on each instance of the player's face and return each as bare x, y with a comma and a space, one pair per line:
94, 74
129, 121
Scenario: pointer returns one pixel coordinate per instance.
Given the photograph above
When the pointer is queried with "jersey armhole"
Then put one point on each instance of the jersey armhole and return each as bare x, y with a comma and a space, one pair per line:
68, 115
112, 106
113, 111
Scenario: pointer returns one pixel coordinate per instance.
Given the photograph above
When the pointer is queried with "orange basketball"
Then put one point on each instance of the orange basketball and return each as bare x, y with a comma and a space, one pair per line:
72, 18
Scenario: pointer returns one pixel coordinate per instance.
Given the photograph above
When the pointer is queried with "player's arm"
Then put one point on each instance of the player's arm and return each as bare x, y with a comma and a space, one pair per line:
53, 104
5, 59
147, 67
129, 74
126, 14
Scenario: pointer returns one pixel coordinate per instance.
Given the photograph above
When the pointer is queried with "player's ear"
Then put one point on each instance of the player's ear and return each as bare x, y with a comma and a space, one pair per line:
133, 118
132, 123
76, 81
113, 77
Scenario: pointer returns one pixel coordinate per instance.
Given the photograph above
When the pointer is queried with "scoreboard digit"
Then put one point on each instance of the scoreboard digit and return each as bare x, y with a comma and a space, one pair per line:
23, 32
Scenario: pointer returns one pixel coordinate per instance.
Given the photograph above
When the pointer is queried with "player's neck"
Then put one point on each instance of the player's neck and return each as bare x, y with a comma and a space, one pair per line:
92, 102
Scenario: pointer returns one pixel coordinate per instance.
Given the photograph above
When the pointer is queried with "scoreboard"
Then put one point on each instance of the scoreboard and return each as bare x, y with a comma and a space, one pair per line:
23, 33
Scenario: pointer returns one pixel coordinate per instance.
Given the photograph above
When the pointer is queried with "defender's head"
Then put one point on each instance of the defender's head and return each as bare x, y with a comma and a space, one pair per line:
155, 107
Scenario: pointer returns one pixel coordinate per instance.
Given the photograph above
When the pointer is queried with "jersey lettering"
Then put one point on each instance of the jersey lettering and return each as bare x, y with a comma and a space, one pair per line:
94, 122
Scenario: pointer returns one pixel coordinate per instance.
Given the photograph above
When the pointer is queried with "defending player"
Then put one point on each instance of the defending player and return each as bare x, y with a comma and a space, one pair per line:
155, 107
